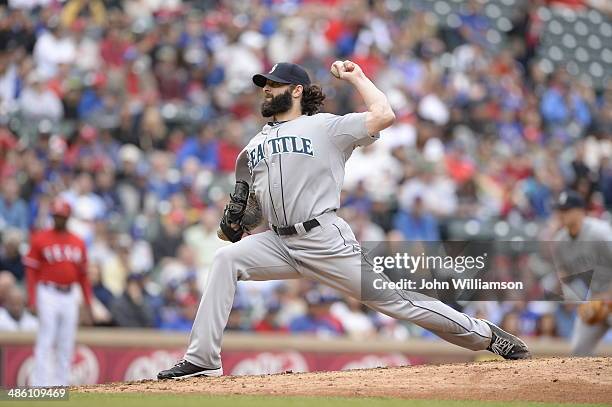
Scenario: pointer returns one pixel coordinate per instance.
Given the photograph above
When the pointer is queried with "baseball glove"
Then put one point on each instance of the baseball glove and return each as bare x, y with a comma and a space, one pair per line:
594, 312
232, 214
245, 218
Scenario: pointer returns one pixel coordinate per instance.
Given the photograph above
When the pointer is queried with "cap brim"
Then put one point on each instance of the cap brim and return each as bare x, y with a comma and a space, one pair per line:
261, 79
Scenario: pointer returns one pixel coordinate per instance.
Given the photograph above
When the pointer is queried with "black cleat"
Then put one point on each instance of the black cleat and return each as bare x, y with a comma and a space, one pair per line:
184, 369
506, 345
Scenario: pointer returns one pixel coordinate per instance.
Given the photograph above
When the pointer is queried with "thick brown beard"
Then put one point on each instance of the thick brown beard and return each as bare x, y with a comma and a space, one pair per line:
278, 104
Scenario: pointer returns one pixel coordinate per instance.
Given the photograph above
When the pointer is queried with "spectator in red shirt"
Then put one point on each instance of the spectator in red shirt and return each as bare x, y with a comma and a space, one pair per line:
230, 146
113, 47
270, 323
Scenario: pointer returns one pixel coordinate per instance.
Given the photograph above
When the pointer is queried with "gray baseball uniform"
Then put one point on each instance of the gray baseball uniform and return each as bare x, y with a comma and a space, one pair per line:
296, 169
590, 251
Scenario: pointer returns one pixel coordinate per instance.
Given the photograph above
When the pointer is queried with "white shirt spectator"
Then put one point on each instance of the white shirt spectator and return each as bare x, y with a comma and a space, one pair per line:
50, 51
400, 134
433, 151
87, 53
27, 4
99, 250
365, 230
146, 8
355, 323
391, 328
241, 62
376, 34
375, 167
405, 135
204, 243
27, 322
433, 108
8, 89
87, 207
288, 43
318, 44
468, 56
37, 103
438, 195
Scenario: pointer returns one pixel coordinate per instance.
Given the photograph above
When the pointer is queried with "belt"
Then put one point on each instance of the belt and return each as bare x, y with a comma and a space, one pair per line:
291, 230
59, 287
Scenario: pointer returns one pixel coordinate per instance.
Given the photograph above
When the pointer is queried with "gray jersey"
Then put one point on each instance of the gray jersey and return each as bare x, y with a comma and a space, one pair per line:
590, 251
593, 230
297, 167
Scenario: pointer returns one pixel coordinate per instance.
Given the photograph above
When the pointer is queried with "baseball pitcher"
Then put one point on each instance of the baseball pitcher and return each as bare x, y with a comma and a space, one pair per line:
57, 260
295, 168
586, 247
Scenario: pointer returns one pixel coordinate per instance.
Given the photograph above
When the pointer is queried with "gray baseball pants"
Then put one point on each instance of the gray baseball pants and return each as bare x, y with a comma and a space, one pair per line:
326, 254
586, 337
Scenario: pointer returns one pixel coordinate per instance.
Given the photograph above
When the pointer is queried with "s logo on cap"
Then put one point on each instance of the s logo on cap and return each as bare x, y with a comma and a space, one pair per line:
273, 68
563, 198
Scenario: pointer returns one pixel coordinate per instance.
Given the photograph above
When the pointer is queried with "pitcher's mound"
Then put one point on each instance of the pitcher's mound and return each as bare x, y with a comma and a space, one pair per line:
568, 380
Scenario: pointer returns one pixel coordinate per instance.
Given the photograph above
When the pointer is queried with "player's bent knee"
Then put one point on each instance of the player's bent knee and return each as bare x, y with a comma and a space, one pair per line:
225, 256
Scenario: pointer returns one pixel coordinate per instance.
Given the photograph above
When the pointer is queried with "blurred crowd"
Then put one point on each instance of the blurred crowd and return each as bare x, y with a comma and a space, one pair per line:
135, 110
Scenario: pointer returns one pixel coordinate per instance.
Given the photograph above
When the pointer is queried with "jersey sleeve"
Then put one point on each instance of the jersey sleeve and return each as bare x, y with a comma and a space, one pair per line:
242, 167
349, 131
34, 256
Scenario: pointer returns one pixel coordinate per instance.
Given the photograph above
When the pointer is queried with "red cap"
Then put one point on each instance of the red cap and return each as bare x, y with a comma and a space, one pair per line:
59, 207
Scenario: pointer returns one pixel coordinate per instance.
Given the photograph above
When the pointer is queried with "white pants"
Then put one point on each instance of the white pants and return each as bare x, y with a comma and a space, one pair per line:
58, 314
328, 254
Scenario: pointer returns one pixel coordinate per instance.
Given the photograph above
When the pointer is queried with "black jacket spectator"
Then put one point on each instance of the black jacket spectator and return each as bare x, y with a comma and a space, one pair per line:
10, 258
132, 309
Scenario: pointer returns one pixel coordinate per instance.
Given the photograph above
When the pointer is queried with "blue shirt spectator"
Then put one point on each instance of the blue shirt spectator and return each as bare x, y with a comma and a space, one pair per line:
417, 225
318, 319
539, 196
605, 181
103, 294
564, 316
558, 109
90, 102
316, 325
13, 210
554, 110
177, 323
204, 147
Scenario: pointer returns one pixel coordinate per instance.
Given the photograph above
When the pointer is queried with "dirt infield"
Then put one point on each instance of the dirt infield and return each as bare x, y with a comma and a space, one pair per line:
569, 380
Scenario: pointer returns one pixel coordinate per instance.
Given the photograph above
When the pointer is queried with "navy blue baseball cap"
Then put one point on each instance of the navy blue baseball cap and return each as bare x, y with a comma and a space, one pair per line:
283, 72
569, 200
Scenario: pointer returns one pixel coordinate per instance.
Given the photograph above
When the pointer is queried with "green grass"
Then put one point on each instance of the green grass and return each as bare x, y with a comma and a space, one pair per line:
153, 400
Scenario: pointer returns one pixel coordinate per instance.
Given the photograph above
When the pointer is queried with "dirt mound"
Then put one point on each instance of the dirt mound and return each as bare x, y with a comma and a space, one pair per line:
569, 380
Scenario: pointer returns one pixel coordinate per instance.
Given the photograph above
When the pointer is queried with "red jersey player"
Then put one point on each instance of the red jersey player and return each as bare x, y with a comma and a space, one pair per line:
56, 261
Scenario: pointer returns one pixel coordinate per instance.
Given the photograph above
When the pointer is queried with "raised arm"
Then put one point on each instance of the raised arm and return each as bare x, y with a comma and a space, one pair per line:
380, 115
